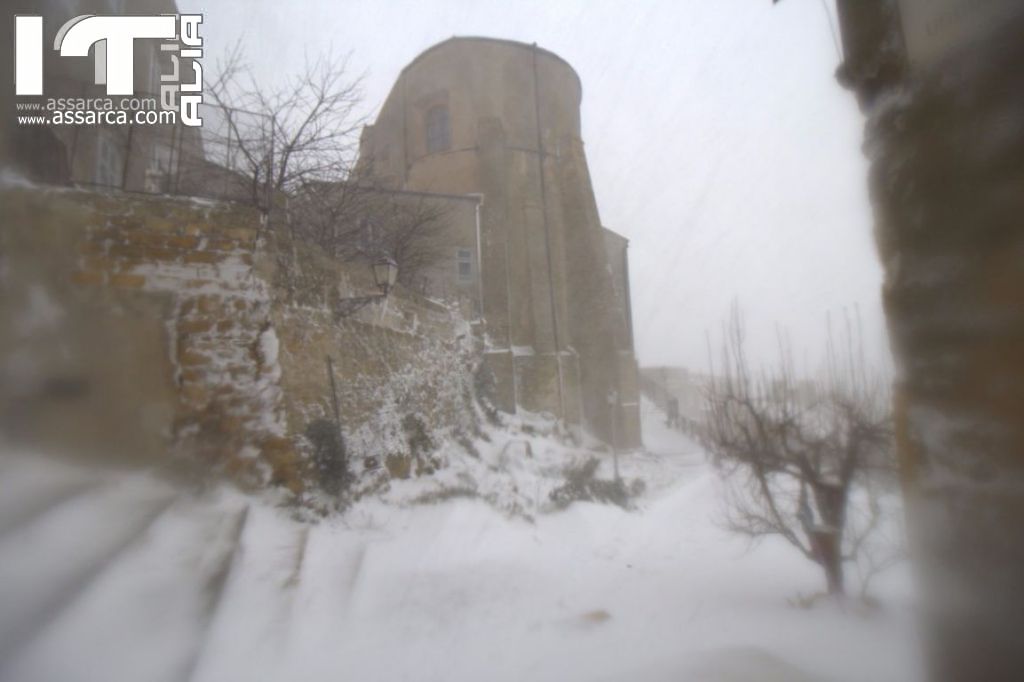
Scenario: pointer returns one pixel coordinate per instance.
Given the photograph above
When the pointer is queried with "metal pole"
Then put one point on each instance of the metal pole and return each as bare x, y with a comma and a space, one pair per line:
270, 164
127, 159
179, 140
173, 161
479, 258
229, 162
337, 411
613, 400
74, 153
334, 394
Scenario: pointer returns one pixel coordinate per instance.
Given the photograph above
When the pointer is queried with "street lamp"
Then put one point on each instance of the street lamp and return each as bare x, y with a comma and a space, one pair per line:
385, 274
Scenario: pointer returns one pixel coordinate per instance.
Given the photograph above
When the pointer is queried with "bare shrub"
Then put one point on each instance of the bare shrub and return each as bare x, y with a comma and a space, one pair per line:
583, 485
356, 219
330, 465
314, 131
796, 452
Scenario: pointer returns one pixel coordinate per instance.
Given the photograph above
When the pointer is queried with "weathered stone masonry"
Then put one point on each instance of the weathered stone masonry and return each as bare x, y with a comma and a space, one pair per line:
131, 323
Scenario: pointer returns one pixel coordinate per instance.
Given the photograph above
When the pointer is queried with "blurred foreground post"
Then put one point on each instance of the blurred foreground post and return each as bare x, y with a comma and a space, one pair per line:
942, 85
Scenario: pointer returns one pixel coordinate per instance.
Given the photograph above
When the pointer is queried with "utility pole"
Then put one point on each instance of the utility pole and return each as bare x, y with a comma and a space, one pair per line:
613, 410
337, 411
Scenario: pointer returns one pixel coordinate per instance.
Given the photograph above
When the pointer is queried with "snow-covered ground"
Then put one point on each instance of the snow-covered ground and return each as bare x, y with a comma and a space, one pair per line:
112, 577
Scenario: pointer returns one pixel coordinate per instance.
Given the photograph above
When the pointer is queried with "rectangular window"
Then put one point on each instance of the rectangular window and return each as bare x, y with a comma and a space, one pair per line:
439, 135
464, 259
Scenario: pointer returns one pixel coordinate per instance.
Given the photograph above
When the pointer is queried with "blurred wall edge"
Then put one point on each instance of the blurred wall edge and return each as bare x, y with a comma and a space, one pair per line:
943, 92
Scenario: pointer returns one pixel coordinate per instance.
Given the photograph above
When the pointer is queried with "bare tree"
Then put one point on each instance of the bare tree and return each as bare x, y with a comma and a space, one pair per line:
287, 137
333, 215
298, 145
358, 220
795, 451
411, 232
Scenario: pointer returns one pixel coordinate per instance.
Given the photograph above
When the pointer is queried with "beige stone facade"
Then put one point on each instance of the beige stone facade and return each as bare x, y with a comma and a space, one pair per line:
500, 119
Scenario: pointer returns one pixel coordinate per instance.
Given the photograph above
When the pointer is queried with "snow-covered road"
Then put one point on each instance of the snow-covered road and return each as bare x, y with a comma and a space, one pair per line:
130, 578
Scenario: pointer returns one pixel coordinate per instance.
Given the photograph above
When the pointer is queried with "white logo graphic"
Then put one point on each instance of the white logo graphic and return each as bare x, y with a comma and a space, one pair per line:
112, 40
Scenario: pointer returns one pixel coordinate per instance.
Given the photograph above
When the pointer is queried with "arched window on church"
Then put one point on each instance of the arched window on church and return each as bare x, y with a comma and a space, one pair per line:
439, 133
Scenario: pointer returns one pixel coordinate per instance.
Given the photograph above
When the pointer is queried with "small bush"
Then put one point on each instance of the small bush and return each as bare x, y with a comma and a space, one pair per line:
398, 466
330, 463
582, 485
420, 442
486, 390
445, 494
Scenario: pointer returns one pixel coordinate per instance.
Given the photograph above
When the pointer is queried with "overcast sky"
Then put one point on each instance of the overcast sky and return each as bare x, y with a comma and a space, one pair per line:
718, 140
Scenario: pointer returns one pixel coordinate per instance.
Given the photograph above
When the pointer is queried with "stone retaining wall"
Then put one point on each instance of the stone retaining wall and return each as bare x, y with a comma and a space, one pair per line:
133, 324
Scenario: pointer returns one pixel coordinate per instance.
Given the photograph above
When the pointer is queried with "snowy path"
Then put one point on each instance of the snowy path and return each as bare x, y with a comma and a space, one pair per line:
130, 579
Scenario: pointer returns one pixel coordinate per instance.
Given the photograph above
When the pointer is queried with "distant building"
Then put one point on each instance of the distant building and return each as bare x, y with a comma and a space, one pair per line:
688, 390
139, 158
501, 120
